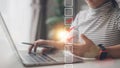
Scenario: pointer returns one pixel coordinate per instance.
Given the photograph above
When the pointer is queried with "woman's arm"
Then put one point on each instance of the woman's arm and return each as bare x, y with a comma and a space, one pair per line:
114, 51
56, 44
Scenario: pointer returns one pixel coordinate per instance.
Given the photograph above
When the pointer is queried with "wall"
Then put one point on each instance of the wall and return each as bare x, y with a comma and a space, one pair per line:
17, 15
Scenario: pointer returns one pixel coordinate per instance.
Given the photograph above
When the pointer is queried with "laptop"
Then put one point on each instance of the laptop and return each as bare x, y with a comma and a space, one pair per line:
36, 59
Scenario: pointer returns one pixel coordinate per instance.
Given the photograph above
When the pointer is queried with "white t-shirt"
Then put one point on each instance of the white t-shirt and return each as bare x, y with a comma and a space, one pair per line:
101, 25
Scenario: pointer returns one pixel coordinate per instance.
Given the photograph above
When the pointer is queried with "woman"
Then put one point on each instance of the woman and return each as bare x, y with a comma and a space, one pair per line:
98, 25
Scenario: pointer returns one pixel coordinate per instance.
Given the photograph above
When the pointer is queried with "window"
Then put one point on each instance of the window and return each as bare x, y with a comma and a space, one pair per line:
53, 15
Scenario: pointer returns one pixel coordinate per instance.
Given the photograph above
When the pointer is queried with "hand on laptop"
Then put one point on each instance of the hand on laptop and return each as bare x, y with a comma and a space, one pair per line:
48, 45
84, 49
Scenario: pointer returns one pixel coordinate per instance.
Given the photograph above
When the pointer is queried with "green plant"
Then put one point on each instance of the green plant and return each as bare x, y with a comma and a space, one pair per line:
59, 14
59, 11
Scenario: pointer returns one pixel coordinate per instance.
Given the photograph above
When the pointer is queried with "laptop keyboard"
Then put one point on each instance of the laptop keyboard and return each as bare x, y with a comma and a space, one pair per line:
45, 59
39, 59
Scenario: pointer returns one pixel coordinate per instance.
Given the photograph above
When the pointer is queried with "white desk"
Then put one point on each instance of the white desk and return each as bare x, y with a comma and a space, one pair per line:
13, 63
9, 60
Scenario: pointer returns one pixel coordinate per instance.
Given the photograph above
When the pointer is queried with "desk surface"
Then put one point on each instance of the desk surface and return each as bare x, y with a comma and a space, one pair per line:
12, 62
9, 60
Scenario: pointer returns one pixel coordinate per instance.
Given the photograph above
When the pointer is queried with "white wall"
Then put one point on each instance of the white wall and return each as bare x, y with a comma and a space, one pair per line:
17, 14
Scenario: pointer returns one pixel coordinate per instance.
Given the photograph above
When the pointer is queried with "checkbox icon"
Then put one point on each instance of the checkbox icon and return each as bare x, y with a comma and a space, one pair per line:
68, 3
68, 12
68, 20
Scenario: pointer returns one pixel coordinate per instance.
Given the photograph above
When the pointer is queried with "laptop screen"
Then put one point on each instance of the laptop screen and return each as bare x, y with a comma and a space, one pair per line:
14, 34
5, 46
6, 38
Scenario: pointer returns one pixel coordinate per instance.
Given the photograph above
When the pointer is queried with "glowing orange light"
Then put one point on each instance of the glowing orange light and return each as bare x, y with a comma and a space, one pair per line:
62, 35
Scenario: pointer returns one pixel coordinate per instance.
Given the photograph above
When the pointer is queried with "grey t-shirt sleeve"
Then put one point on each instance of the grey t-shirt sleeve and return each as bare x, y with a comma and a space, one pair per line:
73, 34
80, 16
118, 21
75, 22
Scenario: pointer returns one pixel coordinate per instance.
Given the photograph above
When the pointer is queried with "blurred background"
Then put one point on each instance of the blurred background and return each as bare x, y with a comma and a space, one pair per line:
56, 17
29, 20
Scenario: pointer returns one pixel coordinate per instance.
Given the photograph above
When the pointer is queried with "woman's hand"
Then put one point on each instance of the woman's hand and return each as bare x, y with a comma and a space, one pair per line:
36, 44
49, 45
86, 49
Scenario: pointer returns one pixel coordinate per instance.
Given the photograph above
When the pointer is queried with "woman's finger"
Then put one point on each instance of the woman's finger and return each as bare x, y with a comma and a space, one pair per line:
35, 47
30, 48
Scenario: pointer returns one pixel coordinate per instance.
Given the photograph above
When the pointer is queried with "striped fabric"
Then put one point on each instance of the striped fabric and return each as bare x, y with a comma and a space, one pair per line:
101, 25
